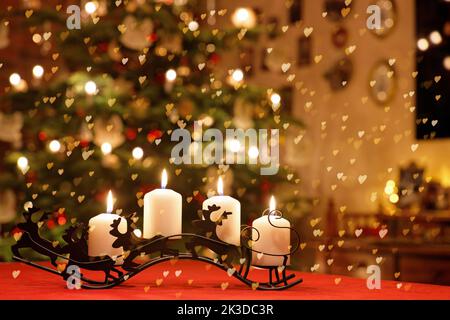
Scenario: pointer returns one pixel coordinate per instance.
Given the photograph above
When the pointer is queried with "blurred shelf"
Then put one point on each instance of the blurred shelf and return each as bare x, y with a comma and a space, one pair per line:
415, 247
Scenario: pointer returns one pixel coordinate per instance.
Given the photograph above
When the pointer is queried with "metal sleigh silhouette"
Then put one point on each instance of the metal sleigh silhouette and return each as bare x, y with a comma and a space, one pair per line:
234, 260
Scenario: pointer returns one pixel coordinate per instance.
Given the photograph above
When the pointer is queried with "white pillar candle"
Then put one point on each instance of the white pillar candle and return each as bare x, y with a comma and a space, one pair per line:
271, 240
162, 211
100, 241
230, 230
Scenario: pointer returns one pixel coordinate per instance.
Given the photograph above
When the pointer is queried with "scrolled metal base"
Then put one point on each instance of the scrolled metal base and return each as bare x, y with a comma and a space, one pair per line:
75, 254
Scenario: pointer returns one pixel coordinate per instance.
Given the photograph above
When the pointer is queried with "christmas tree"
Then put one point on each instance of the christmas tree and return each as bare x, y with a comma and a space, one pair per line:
99, 113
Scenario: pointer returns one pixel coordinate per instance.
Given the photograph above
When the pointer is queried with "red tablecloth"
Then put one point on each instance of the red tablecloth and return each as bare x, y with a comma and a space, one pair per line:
197, 280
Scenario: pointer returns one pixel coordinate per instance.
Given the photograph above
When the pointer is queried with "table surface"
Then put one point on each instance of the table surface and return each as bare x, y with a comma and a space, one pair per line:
196, 280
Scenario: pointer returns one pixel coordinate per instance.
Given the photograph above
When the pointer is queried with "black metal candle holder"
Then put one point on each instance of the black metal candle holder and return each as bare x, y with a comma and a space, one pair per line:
75, 252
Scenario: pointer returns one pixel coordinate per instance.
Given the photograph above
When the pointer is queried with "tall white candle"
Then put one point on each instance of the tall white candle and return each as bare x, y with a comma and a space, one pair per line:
162, 211
100, 241
271, 240
230, 230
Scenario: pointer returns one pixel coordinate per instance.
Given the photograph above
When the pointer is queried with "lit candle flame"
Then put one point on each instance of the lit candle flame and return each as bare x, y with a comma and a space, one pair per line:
164, 179
109, 202
272, 204
220, 186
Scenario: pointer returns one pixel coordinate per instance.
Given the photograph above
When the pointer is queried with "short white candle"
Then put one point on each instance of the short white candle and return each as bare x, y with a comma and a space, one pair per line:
230, 230
162, 211
271, 240
100, 241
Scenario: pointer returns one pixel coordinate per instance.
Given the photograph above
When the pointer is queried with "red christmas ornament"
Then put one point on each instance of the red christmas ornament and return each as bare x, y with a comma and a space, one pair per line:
152, 37
42, 136
31, 176
199, 198
16, 231
101, 196
103, 47
160, 78
62, 220
148, 187
153, 135
265, 186
84, 143
131, 134
214, 58
50, 224
184, 61
81, 113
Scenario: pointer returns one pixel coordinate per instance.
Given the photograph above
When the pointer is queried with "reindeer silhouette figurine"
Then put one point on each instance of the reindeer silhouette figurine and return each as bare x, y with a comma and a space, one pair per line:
78, 249
206, 226
227, 252
135, 246
31, 238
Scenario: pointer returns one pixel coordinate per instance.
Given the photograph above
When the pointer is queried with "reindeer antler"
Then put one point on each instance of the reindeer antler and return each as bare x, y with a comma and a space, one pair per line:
28, 213
206, 225
115, 228
69, 232
222, 217
123, 239
45, 216
213, 208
